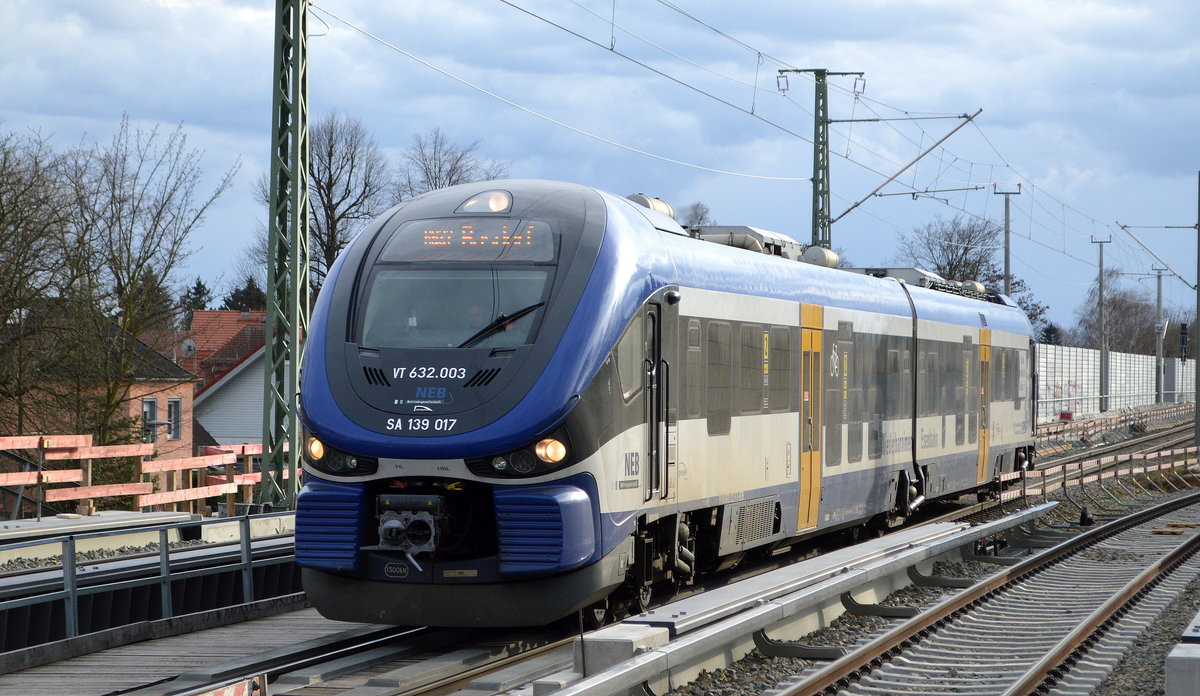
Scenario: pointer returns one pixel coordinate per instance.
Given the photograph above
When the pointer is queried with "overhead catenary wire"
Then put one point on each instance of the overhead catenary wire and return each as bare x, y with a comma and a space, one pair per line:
544, 117
953, 168
859, 98
955, 162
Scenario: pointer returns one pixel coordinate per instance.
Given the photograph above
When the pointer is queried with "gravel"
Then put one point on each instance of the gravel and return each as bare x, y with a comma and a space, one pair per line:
19, 565
1139, 674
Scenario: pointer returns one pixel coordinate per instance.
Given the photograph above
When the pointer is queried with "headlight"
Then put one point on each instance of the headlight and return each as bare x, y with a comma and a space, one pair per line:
330, 460
550, 450
548, 454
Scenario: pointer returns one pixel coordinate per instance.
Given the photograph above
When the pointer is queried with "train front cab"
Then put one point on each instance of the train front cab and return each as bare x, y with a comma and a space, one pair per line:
471, 541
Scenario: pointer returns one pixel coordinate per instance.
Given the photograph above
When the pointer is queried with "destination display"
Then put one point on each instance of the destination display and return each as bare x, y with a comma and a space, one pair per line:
484, 239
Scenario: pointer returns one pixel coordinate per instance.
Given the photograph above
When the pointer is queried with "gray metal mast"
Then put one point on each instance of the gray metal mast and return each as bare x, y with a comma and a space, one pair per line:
1159, 329
1103, 330
1007, 236
821, 219
287, 253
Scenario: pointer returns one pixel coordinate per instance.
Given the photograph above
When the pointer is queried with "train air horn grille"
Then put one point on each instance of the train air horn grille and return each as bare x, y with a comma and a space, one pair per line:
376, 377
482, 378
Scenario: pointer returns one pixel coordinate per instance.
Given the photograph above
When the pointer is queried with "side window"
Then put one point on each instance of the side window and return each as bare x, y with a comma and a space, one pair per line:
973, 368
695, 371
630, 354
854, 407
935, 380
750, 379
1022, 376
719, 373
782, 376
895, 385
836, 396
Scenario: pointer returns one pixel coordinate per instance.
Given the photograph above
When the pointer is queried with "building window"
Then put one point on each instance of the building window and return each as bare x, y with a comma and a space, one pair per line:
149, 416
175, 417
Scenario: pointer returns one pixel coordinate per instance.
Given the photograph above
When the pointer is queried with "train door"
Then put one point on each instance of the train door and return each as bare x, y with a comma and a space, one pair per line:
985, 421
654, 370
810, 417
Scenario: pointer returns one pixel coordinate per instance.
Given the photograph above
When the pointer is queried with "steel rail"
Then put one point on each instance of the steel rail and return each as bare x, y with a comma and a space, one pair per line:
891, 643
1093, 452
1043, 670
272, 665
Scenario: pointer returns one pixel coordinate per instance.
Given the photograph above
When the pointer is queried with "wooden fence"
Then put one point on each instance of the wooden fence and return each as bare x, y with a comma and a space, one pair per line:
1161, 471
160, 483
181, 482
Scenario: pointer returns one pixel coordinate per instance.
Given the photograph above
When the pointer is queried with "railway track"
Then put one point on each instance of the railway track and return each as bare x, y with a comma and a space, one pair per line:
394, 664
1021, 631
378, 660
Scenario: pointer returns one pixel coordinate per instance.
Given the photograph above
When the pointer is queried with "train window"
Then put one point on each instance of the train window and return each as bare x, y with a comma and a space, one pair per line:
837, 386
782, 376
751, 369
875, 438
719, 369
694, 367
974, 395
448, 307
935, 382
895, 385
998, 383
854, 427
1022, 376
630, 360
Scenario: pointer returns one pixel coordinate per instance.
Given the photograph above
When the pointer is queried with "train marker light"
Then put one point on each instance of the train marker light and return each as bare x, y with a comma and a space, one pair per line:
487, 202
550, 451
499, 463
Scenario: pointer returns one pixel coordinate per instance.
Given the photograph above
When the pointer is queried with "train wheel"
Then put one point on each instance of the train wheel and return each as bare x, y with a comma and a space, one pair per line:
597, 615
642, 600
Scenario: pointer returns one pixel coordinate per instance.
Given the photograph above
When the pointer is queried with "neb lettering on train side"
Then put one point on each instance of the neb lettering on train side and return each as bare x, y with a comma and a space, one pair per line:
633, 463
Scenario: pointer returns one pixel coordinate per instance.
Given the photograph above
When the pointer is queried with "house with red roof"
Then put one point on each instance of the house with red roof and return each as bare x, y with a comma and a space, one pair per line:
228, 359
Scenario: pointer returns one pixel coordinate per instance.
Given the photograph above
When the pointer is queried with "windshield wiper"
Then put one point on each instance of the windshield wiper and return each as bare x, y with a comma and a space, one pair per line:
498, 323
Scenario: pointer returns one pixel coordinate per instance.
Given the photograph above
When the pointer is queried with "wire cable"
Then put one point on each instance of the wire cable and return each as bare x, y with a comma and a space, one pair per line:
545, 117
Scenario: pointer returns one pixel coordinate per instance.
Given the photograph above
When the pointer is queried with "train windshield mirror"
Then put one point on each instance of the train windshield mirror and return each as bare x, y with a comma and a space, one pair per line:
446, 307
471, 239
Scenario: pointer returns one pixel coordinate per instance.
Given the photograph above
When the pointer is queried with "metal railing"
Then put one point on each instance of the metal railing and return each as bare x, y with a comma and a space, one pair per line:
72, 591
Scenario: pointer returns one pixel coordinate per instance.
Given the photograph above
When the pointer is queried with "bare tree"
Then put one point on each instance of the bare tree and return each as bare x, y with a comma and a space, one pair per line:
964, 248
134, 202
434, 162
348, 186
1128, 317
696, 214
33, 267
960, 248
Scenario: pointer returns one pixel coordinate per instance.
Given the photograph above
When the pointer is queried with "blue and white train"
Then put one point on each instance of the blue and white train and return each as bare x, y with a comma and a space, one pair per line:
524, 398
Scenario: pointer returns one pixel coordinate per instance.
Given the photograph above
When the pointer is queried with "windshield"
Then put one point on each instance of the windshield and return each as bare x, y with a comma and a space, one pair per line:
447, 308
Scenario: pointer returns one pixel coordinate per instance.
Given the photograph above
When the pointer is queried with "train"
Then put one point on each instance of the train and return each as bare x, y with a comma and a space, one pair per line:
522, 399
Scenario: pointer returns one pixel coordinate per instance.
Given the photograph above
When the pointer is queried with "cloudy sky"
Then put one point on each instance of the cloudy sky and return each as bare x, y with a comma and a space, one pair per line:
1091, 105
